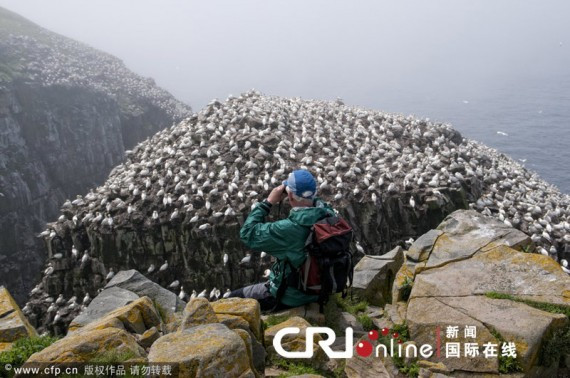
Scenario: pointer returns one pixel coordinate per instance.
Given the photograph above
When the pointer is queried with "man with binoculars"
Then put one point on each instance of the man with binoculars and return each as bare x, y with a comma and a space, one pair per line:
284, 239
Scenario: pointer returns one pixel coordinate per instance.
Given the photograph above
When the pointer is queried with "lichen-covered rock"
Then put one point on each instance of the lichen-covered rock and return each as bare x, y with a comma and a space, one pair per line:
374, 276
209, 350
136, 317
233, 321
295, 342
471, 258
421, 248
135, 282
13, 323
246, 308
89, 345
108, 300
255, 351
503, 270
148, 337
467, 232
309, 312
198, 311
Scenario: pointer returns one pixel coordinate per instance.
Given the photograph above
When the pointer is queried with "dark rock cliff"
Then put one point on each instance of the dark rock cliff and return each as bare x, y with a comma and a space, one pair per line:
67, 115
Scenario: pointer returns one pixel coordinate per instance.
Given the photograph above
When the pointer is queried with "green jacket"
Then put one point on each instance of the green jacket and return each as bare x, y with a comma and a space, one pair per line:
285, 240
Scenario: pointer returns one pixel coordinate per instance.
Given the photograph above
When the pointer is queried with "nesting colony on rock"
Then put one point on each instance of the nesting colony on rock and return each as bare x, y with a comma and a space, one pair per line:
178, 201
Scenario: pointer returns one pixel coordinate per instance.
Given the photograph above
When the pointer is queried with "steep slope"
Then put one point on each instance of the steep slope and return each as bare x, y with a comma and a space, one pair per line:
180, 198
67, 114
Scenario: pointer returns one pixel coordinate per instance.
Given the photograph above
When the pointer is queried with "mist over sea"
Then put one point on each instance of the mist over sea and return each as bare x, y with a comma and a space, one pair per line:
533, 112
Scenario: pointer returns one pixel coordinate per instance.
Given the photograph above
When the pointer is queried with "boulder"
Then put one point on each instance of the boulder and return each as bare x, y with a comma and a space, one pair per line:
348, 320
198, 311
134, 281
13, 323
257, 359
107, 301
421, 248
374, 276
503, 270
310, 312
472, 256
238, 323
149, 337
294, 342
246, 308
136, 317
370, 366
233, 321
466, 232
89, 345
209, 350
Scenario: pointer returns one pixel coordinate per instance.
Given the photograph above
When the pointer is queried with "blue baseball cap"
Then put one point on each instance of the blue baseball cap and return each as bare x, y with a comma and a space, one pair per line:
302, 184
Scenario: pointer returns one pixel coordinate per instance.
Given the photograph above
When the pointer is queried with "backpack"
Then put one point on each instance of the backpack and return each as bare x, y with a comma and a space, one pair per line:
328, 268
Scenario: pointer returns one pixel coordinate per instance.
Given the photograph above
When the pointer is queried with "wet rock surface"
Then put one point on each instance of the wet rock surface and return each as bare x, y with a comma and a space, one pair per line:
67, 114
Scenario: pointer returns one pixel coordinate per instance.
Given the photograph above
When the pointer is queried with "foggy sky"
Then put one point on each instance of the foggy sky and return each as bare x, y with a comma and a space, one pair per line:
482, 65
388, 55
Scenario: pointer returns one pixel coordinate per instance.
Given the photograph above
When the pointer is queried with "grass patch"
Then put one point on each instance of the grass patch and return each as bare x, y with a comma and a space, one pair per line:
407, 288
114, 357
412, 370
507, 364
548, 307
274, 320
22, 349
351, 305
338, 372
294, 368
402, 329
558, 345
366, 322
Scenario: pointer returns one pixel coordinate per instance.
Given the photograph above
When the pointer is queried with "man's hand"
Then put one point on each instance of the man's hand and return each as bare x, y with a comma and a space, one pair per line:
277, 195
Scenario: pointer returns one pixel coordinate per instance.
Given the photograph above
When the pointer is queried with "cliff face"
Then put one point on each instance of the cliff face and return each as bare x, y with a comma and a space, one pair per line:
67, 115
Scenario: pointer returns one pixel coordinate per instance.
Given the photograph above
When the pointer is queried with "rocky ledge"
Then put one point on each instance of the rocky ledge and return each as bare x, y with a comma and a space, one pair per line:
471, 273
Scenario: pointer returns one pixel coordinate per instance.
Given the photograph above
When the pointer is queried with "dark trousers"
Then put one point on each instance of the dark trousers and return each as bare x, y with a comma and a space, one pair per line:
261, 293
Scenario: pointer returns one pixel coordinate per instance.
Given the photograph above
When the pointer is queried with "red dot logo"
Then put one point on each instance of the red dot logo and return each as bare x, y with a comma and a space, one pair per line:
373, 335
395, 335
364, 349
385, 331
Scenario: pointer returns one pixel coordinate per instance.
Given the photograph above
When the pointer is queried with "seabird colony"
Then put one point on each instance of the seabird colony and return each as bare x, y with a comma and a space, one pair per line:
218, 163
53, 60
